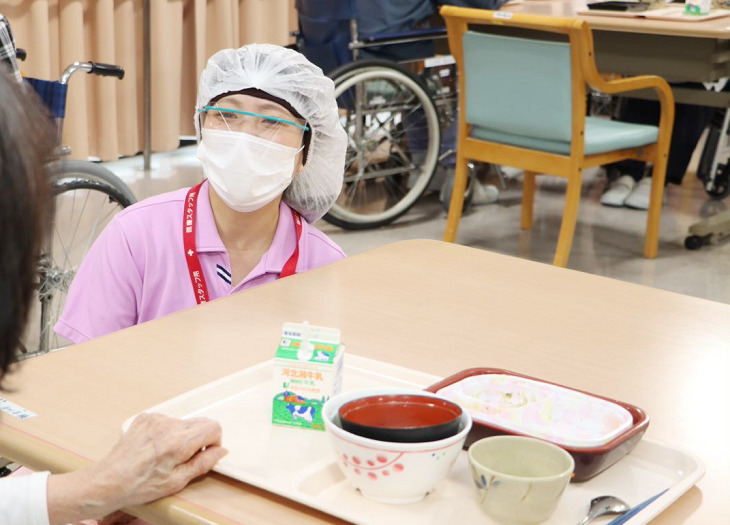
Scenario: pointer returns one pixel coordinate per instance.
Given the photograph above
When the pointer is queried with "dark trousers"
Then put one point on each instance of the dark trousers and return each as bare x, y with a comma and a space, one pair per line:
689, 123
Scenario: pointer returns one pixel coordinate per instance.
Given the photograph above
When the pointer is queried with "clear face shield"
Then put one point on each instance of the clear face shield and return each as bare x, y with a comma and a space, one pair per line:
253, 116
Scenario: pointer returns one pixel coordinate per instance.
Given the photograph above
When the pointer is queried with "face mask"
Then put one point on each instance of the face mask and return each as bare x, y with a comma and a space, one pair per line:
246, 172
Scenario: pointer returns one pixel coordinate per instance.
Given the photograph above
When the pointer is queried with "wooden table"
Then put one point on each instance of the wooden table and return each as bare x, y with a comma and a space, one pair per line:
677, 51
426, 305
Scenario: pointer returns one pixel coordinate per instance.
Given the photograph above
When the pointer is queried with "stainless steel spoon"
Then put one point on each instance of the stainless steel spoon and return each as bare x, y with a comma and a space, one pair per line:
604, 505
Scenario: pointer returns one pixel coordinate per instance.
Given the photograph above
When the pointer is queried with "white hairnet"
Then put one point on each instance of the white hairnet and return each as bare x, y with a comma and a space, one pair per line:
288, 75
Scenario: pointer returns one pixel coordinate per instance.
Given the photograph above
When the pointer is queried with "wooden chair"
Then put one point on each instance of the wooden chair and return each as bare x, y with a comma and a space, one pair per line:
522, 103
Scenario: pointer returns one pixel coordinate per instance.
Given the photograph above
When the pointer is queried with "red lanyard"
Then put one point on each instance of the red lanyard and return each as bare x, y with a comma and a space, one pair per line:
191, 253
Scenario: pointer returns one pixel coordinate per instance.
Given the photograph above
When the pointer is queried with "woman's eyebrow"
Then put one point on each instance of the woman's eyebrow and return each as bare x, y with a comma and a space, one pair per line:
273, 107
260, 106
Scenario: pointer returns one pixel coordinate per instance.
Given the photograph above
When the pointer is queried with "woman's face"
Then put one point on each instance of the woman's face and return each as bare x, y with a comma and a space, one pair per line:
255, 116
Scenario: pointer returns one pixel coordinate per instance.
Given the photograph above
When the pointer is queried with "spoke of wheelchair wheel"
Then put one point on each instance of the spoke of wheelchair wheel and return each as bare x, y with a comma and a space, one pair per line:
388, 134
383, 124
394, 106
88, 240
57, 235
391, 187
75, 226
395, 141
351, 190
351, 142
350, 159
57, 306
393, 112
403, 156
361, 198
91, 238
391, 115
414, 109
392, 197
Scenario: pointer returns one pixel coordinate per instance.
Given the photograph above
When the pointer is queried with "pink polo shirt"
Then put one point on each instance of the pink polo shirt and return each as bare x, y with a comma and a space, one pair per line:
136, 270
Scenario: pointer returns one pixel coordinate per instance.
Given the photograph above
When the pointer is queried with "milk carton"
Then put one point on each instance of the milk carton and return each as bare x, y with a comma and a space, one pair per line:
307, 372
697, 7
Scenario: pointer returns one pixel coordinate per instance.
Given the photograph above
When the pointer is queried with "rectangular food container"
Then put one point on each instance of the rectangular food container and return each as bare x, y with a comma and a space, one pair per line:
591, 456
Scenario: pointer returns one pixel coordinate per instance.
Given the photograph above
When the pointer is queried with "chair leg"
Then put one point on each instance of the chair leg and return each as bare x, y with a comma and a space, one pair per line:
570, 216
457, 199
651, 240
528, 200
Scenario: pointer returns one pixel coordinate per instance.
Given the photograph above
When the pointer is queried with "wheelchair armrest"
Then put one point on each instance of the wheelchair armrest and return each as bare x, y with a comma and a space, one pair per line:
425, 34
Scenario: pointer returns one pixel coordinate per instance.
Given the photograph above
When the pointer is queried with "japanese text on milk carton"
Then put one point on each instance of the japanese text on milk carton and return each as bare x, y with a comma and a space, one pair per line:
307, 372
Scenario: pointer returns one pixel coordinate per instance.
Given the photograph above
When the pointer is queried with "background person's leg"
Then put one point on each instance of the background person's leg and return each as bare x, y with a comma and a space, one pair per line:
689, 123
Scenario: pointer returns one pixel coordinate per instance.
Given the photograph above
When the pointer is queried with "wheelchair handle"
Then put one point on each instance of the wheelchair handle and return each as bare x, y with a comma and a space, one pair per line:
106, 70
93, 68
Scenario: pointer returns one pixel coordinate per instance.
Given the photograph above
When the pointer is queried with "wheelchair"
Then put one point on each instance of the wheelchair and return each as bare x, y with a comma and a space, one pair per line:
714, 165
397, 100
86, 196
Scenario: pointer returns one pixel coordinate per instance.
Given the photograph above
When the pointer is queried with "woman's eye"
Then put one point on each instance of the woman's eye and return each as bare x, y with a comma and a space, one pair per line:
228, 116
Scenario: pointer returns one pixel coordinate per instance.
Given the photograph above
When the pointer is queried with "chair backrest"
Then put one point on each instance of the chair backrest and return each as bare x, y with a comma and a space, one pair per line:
514, 85
518, 85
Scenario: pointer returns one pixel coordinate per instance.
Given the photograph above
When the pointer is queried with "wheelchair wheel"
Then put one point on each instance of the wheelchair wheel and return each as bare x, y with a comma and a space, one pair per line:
393, 142
66, 169
84, 200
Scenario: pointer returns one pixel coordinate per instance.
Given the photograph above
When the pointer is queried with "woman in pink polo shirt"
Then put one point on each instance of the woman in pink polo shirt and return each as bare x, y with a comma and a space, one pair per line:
273, 153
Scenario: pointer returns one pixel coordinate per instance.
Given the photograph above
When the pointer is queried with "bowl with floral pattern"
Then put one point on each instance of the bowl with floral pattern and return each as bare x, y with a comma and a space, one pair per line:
391, 472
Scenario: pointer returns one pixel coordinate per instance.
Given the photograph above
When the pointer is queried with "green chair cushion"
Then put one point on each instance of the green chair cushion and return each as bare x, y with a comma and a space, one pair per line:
601, 135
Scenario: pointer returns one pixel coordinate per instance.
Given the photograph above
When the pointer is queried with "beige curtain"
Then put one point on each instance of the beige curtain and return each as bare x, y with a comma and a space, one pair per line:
104, 115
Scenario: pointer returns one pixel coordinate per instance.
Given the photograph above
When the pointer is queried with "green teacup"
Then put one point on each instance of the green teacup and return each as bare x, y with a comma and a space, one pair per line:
519, 479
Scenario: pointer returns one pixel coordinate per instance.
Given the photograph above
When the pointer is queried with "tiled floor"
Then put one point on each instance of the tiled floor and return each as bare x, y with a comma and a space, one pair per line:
608, 241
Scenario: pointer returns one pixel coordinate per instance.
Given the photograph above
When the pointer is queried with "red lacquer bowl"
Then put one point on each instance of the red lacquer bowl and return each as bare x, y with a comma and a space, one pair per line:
401, 418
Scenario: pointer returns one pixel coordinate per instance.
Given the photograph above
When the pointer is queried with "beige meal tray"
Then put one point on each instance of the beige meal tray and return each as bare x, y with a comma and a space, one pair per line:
298, 464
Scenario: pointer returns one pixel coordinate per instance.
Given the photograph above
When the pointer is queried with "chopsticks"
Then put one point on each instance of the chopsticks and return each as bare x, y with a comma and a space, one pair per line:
626, 516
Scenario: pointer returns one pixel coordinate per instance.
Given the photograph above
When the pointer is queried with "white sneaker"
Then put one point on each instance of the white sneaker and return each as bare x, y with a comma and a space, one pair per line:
618, 191
484, 193
641, 195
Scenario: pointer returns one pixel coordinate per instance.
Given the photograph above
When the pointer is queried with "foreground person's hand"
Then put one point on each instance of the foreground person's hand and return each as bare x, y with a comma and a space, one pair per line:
156, 457
117, 518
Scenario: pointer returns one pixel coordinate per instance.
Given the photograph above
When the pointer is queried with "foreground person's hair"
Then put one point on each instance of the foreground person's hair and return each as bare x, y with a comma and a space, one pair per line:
26, 145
